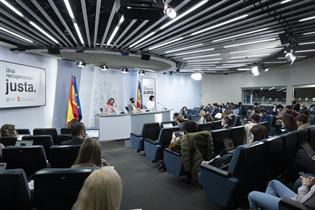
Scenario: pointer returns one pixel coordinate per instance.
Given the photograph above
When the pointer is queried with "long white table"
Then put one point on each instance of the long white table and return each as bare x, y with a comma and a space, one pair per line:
119, 126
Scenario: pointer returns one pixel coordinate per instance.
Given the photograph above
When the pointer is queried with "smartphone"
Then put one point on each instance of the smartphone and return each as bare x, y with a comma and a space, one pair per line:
306, 175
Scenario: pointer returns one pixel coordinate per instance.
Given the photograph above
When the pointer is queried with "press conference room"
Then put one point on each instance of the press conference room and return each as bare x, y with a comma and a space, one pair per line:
157, 104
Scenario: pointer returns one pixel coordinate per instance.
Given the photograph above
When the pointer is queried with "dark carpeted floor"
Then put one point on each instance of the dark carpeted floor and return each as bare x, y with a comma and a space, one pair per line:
148, 189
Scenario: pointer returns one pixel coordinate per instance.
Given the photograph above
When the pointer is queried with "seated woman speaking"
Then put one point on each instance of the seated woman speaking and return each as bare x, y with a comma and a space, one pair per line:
276, 191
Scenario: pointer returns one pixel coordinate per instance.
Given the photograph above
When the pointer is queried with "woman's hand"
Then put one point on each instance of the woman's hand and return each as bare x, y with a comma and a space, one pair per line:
307, 181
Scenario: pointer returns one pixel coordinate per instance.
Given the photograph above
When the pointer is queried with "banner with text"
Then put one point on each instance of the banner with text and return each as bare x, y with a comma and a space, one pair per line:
21, 86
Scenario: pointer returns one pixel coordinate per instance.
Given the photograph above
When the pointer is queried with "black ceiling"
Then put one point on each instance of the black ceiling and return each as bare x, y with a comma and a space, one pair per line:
219, 36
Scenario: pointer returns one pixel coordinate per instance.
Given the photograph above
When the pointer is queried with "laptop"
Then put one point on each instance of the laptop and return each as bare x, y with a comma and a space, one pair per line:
168, 125
93, 133
19, 136
24, 143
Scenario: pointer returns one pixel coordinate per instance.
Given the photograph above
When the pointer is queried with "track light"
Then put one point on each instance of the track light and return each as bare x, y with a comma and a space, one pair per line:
169, 11
81, 64
125, 70
255, 71
104, 67
15, 34
266, 69
290, 56
11, 7
196, 76
141, 72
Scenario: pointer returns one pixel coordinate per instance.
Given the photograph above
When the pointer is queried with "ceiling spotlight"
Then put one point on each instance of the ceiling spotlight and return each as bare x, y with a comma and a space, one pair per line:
169, 11
104, 67
141, 72
196, 76
290, 56
81, 64
125, 70
177, 70
255, 71
266, 69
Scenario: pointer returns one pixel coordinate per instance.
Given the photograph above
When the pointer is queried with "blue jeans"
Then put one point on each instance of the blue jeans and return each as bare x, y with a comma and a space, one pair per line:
270, 199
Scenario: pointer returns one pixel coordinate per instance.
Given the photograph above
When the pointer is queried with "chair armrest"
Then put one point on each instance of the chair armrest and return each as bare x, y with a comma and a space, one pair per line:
289, 204
155, 142
133, 134
172, 152
215, 170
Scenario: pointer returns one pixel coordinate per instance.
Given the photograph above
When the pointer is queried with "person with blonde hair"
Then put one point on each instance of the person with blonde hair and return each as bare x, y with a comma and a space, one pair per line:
102, 190
90, 154
202, 115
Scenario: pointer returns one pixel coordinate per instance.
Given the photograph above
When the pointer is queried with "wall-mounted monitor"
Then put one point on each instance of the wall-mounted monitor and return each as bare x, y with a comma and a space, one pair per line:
21, 85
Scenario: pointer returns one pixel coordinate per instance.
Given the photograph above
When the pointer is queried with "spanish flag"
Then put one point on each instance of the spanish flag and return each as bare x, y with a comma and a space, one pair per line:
139, 97
74, 107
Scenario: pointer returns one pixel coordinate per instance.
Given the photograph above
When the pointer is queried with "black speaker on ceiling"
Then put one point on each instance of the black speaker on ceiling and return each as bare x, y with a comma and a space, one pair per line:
142, 9
53, 50
145, 57
288, 39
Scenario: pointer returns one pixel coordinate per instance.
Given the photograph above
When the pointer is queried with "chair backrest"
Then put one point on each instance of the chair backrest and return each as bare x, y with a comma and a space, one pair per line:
46, 131
195, 112
312, 137
63, 137
236, 121
218, 136
291, 144
151, 130
58, 188
62, 156
265, 123
15, 193
216, 125
8, 141
303, 135
165, 136
237, 135
275, 157
29, 158
312, 119
23, 131
205, 126
247, 165
168, 123
44, 140
66, 131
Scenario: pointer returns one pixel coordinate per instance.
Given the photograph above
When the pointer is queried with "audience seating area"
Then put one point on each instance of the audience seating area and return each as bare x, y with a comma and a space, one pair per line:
251, 167
45, 162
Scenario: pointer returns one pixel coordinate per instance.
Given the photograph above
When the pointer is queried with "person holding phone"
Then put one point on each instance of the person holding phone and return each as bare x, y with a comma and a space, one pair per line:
276, 191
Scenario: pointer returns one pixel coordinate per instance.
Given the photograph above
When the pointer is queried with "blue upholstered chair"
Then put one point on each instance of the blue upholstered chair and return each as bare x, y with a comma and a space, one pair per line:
154, 148
217, 137
226, 187
173, 162
15, 193
237, 135
205, 126
29, 158
62, 156
45, 140
58, 188
149, 130
312, 119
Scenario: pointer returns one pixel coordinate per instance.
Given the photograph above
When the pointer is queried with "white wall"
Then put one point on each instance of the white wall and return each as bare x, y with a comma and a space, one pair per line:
96, 87
36, 116
227, 88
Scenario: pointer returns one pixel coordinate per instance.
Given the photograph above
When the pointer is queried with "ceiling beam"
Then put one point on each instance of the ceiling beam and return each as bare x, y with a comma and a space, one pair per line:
97, 18
86, 22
